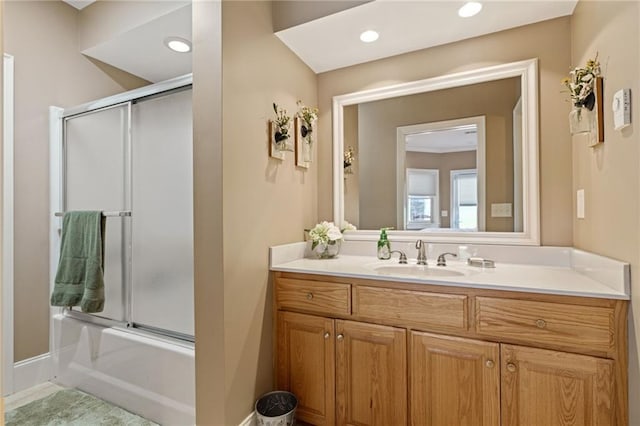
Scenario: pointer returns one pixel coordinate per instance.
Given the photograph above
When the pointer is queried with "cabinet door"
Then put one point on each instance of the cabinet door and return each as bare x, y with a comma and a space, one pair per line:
306, 365
371, 374
543, 387
453, 381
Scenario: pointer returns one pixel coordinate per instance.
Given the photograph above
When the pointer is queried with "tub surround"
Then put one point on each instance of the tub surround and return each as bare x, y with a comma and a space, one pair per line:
548, 270
148, 375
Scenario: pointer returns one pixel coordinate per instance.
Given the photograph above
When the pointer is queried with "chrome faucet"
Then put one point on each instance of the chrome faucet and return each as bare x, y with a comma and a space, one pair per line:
442, 260
402, 259
422, 257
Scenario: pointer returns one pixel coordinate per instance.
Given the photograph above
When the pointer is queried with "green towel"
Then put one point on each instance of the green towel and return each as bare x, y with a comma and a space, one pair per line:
80, 276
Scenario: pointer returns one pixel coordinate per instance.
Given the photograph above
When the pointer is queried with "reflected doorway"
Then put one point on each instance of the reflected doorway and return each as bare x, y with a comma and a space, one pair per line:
454, 152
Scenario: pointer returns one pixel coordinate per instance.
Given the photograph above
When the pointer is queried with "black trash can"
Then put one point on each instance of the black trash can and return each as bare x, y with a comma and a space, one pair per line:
277, 408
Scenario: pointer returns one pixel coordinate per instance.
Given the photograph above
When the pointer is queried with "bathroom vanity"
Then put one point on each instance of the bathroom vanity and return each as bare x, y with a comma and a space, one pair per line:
361, 342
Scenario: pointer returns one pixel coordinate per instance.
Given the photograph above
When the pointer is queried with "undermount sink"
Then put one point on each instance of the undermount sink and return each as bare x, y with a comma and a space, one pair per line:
417, 271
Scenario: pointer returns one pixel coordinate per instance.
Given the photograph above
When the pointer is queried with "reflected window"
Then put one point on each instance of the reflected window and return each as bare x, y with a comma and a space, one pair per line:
464, 199
421, 209
421, 203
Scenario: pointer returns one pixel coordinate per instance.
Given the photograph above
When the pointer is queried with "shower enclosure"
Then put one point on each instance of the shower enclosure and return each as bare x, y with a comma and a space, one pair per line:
130, 156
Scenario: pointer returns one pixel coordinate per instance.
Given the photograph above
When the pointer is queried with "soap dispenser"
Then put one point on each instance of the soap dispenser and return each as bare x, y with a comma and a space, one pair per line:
384, 247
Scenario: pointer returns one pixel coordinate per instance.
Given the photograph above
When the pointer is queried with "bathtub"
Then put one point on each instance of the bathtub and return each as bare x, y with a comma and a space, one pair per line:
153, 377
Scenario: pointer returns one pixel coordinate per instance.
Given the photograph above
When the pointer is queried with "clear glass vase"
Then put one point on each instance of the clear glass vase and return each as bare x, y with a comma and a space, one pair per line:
581, 120
285, 144
306, 151
306, 132
327, 250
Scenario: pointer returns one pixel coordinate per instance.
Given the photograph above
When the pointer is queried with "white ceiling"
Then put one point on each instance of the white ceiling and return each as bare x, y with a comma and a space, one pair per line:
333, 41
79, 4
461, 138
141, 51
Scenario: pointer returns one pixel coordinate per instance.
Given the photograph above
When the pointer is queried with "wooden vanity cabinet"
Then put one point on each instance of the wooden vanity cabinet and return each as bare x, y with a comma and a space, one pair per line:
371, 352
453, 381
360, 367
371, 374
543, 387
306, 364
474, 383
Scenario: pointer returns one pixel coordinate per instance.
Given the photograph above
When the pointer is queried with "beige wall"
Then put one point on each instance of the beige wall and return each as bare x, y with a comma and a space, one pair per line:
287, 14
549, 41
265, 201
444, 163
233, 320
208, 224
49, 70
609, 174
378, 122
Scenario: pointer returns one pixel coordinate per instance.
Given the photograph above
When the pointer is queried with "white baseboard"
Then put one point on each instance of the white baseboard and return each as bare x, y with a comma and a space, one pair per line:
250, 420
33, 371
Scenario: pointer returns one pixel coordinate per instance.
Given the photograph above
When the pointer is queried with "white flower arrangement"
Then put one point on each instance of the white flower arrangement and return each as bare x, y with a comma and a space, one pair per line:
306, 114
283, 123
581, 83
349, 156
346, 226
324, 233
326, 238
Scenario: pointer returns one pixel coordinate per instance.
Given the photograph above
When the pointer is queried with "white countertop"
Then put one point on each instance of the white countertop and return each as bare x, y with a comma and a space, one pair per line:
560, 270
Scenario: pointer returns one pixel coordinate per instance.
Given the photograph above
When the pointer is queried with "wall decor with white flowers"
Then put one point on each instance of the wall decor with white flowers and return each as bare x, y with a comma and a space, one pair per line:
301, 140
349, 158
279, 133
585, 86
305, 125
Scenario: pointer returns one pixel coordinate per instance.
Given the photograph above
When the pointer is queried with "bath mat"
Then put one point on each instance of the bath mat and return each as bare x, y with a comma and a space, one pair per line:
70, 407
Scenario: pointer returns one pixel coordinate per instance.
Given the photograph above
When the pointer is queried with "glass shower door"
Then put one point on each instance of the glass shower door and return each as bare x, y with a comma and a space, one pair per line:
96, 177
138, 157
162, 221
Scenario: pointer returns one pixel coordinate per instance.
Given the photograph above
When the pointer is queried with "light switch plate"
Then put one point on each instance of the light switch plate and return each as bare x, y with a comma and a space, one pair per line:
501, 210
580, 204
444, 213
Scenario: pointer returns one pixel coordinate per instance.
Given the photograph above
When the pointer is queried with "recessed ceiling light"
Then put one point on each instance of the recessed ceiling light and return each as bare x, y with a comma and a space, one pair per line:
178, 44
469, 9
369, 36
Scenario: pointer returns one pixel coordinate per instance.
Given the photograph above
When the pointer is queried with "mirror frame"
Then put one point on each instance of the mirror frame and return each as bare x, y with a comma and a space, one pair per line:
527, 70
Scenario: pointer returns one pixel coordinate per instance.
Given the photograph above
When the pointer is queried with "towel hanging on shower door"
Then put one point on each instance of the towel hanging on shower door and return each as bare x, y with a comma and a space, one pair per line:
80, 276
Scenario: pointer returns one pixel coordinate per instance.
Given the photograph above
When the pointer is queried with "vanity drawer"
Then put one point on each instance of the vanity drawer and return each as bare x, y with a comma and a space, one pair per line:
411, 308
559, 324
314, 296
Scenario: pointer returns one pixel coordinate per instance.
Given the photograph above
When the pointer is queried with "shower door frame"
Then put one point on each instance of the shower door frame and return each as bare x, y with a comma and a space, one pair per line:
7, 356
58, 120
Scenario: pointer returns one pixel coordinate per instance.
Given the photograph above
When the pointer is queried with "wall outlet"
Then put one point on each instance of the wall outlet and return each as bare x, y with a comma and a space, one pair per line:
580, 204
501, 210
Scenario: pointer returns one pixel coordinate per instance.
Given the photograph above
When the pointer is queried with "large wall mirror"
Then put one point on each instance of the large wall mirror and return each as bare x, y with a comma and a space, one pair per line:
452, 158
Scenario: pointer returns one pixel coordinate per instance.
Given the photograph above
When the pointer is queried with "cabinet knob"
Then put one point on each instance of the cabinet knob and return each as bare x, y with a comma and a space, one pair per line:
489, 363
309, 296
340, 336
511, 367
327, 335
541, 323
